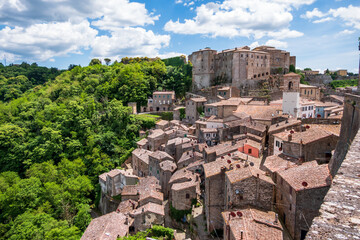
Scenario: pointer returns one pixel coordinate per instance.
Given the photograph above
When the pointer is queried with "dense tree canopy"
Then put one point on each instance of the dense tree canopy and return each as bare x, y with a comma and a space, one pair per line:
57, 138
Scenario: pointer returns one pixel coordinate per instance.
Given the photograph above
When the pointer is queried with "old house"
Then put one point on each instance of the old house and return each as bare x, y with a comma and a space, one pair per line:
210, 136
155, 159
114, 181
140, 162
194, 108
155, 139
188, 157
110, 226
163, 101
300, 191
174, 147
162, 124
183, 193
308, 144
251, 148
248, 186
136, 192
251, 224
310, 92
167, 168
148, 215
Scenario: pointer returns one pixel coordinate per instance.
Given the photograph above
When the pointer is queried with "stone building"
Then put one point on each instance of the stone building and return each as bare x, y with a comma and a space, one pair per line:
110, 226
214, 189
251, 224
307, 145
194, 106
300, 191
236, 66
252, 148
189, 157
147, 216
167, 168
155, 160
174, 147
228, 92
162, 124
287, 125
156, 138
163, 101
140, 162
310, 92
114, 181
144, 186
279, 59
182, 194
291, 95
248, 186
209, 136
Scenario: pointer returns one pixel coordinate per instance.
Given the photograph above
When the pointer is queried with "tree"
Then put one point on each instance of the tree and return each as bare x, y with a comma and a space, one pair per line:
292, 68
307, 69
107, 61
95, 61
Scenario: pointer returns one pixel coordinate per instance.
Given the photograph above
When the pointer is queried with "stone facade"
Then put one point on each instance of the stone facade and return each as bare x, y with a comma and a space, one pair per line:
234, 67
279, 59
147, 216
155, 159
291, 95
193, 107
182, 194
300, 191
310, 92
140, 162
163, 101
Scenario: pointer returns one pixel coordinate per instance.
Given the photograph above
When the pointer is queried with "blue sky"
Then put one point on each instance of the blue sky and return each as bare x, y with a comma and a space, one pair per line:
321, 33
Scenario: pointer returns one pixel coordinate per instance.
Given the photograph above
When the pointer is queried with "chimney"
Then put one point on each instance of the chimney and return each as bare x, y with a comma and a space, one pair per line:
289, 137
257, 175
276, 218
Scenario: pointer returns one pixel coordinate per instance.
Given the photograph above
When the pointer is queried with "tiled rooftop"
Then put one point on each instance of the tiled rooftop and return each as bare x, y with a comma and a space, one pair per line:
159, 155
168, 166
280, 162
142, 154
150, 207
306, 176
242, 173
308, 136
284, 124
266, 112
253, 224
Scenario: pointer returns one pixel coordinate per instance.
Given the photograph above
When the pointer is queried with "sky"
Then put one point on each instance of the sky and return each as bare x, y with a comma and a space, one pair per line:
56, 33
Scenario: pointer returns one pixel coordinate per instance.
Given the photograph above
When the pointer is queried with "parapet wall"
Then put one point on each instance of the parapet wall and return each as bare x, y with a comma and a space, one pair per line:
349, 127
339, 214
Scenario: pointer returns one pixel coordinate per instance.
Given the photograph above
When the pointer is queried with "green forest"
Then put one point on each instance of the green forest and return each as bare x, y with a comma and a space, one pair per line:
59, 130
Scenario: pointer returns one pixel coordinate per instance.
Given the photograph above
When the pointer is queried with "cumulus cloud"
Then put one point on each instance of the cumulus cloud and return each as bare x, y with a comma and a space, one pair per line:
246, 18
276, 43
349, 15
346, 32
39, 30
132, 42
47, 40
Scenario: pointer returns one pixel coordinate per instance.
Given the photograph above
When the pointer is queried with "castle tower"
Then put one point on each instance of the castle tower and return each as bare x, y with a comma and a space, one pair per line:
203, 62
291, 95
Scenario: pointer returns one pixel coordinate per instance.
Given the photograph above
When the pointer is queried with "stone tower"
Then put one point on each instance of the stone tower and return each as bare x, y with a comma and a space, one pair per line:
291, 94
203, 62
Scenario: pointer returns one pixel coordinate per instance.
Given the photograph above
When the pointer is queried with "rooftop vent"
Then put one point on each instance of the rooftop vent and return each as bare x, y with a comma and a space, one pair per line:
305, 184
228, 161
239, 214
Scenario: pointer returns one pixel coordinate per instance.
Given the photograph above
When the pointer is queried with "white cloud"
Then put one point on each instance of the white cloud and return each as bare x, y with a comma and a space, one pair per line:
314, 13
178, 1
254, 45
276, 43
170, 55
346, 32
327, 19
246, 18
44, 41
350, 15
131, 42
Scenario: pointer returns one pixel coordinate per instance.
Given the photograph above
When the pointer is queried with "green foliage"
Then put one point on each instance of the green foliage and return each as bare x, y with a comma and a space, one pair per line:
167, 116
56, 139
156, 232
307, 69
17, 79
178, 215
292, 68
94, 61
175, 61
344, 83
182, 113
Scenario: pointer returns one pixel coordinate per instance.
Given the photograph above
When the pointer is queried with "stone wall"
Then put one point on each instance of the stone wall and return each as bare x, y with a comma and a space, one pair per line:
339, 214
318, 80
349, 128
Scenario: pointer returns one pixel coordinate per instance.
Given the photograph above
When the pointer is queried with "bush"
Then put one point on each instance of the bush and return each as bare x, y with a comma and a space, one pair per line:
167, 116
178, 214
344, 83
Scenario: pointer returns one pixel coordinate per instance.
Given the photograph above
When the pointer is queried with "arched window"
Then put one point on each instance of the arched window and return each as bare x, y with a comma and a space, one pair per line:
291, 85
187, 196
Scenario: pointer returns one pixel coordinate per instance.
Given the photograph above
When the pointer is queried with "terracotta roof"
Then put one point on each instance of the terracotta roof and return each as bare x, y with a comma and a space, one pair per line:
291, 74
116, 172
209, 130
266, 112
184, 185
242, 173
182, 175
309, 174
202, 99
253, 144
307, 86
142, 154
126, 207
150, 207
142, 142
282, 125
107, 227
168, 166
332, 128
160, 155
178, 141
253, 224
237, 123
190, 155
279, 162
162, 122
152, 193
156, 133
325, 104
255, 126
214, 168
308, 136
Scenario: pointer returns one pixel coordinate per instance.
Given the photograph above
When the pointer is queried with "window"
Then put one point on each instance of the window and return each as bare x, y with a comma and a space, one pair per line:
241, 55
290, 190
224, 93
290, 207
250, 150
311, 92
187, 196
257, 56
277, 143
305, 91
157, 171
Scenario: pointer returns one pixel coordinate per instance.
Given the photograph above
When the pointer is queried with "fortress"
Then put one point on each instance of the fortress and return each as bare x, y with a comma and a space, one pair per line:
237, 67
